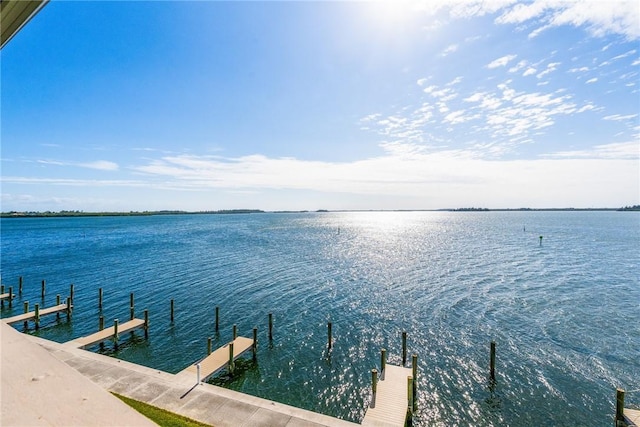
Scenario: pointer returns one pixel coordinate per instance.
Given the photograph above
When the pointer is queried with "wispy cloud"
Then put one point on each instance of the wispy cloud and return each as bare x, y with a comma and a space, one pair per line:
501, 62
103, 165
620, 151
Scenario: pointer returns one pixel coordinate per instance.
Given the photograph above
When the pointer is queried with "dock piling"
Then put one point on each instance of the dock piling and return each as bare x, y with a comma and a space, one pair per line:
414, 367
26, 310
270, 326
410, 395
383, 360
115, 332
37, 319
197, 373
43, 288
492, 362
11, 296
20, 285
235, 331
171, 310
404, 348
620, 407
71, 292
209, 345
374, 381
100, 298
254, 347
231, 367
58, 303
217, 318
146, 323
69, 307
100, 323
329, 335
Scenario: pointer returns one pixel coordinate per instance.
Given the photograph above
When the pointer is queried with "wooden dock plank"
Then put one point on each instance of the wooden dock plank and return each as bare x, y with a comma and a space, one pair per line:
219, 358
632, 417
32, 314
389, 405
6, 296
106, 333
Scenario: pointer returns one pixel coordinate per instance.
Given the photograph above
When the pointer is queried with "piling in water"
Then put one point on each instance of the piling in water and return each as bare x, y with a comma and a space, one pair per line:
100, 323
58, 303
235, 331
172, 310
115, 332
146, 323
414, 367
26, 310
217, 318
100, 298
37, 318
270, 326
71, 289
404, 348
20, 285
43, 289
10, 296
209, 346
410, 395
383, 360
374, 381
254, 346
620, 407
231, 367
69, 307
329, 335
492, 362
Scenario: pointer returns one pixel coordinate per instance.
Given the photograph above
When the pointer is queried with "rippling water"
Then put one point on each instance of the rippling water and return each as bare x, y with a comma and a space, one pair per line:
565, 314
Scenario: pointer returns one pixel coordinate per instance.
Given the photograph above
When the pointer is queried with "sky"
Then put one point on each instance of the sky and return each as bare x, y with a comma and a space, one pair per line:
305, 105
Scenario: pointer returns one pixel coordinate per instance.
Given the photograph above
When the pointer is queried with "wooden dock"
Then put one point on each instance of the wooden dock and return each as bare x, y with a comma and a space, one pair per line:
390, 403
219, 359
107, 333
35, 315
632, 417
6, 296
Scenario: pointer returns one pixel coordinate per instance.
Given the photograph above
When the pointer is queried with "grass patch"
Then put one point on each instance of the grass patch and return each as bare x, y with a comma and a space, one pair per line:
160, 416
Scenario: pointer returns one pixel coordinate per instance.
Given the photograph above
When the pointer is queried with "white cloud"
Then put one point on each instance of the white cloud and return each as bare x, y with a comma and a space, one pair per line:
551, 67
620, 150
449, 49
529, 71
593, 80
598, 17
501, 62
103, 165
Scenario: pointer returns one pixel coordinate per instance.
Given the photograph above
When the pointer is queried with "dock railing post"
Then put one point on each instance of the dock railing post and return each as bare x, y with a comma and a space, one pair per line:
209, 342
235, 331
171, 310
58, 303
374, 381
20, 285
620, 421
254, 346
383, 361
10, 296
146, 323
492, 362
329, 338
131, 306
100, 294
231, 367
404, 348
197, 373
37, 318
217, 318
71, 292
100, 323
270, 326
43, 288
69, 307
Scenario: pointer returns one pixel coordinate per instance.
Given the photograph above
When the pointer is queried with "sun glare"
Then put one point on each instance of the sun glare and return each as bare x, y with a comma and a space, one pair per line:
387, 14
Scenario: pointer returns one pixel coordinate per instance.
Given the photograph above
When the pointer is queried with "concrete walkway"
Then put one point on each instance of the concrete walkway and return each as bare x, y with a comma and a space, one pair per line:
177, 393
40, 390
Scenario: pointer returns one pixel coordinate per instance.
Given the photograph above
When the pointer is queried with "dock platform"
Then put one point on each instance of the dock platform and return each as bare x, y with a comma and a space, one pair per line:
32, 314
107, 333
7, 296
390, 403
632, 417
218, 359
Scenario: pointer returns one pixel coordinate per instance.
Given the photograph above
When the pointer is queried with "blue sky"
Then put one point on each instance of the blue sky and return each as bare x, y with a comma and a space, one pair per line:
205, 105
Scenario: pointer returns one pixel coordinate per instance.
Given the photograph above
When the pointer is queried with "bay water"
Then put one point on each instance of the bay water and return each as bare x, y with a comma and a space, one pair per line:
564, 312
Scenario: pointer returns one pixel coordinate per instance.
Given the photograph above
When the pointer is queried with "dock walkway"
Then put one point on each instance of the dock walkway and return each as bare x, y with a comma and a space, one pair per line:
107, 333
32, 314
218, 359
632, 417
390, 402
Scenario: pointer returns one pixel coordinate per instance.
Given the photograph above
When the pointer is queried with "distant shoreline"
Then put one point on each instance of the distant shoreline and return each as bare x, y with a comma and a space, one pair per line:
71, 214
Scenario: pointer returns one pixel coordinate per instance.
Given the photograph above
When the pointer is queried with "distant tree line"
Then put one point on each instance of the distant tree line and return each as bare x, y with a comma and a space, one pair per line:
64, 213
